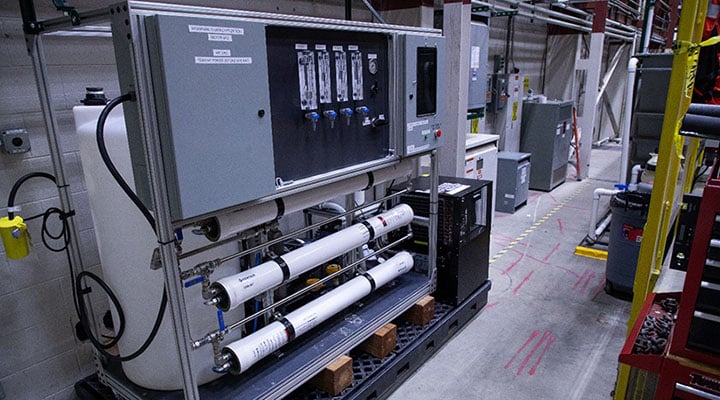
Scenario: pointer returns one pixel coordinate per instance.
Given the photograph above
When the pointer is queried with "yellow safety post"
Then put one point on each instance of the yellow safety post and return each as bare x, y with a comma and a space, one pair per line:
682, 80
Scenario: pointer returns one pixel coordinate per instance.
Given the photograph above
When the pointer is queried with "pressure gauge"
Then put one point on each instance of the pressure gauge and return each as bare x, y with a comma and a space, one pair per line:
373, 66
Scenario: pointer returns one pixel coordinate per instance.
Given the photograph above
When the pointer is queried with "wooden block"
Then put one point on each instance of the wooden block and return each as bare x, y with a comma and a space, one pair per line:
382, 342
422, 312
335, 377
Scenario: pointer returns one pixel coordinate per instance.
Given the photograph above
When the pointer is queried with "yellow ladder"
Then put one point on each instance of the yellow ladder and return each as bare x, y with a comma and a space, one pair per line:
682, 80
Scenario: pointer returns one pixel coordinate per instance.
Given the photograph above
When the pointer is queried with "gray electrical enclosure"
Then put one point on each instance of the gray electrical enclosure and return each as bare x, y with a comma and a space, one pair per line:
423, 94
213, 107
477, 82
546, 133
513, 180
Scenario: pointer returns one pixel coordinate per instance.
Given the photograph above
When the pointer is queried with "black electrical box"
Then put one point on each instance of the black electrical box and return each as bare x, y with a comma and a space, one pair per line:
463, 242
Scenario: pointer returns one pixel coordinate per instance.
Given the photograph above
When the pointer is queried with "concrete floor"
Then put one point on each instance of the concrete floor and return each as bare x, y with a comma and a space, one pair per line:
549, 330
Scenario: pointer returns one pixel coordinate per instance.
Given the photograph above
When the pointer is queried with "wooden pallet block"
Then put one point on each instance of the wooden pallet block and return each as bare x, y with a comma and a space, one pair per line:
382, 342
422, 312
337, 376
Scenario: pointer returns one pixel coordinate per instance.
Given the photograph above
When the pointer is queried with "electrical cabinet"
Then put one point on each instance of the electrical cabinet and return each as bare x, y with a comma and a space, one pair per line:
513, 181
546, 133
477, 82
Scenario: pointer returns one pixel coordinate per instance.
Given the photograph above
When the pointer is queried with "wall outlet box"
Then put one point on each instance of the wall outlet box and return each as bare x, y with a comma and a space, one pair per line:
15, 141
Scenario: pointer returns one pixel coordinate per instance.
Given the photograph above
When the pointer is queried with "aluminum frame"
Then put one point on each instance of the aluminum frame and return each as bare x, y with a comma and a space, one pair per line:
135, 12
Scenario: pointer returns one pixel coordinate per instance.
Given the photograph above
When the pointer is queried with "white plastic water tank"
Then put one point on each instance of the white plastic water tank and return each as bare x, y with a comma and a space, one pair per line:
126, 243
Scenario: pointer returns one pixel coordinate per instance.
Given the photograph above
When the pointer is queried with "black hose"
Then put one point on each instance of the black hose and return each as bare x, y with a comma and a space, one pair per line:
100, 136
19, 182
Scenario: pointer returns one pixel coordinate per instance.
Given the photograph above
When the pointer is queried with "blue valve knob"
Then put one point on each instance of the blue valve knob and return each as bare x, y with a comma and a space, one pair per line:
314, 118
221, 320
363, 110
330, 114
195, 281
346, 111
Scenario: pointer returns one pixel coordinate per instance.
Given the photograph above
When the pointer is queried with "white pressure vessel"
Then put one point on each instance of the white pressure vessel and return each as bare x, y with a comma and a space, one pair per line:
252, 348
126, 243
236, 289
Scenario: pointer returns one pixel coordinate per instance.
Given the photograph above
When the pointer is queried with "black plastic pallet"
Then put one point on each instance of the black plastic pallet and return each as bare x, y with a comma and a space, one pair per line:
375, 378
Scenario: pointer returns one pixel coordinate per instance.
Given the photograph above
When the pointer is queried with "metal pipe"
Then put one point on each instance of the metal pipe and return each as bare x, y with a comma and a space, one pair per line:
348, 10
647, 26
247, 351
374, 12
233, 290
635, 176
37, 53
627, 119
227, 225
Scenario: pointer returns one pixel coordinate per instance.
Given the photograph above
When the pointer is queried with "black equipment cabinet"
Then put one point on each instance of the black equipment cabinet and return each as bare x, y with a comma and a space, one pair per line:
464, 220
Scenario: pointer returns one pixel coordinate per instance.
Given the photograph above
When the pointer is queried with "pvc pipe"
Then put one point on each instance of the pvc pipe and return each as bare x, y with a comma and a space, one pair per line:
227, 225
627, 119
242, 354
635, 177
604, 224
233, 290
597, 193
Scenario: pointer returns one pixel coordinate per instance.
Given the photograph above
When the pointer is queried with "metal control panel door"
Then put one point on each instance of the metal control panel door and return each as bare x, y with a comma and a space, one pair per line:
213, 107
424, 93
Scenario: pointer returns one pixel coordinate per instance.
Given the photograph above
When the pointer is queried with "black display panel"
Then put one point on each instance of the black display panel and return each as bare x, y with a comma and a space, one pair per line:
305, 68
426, 81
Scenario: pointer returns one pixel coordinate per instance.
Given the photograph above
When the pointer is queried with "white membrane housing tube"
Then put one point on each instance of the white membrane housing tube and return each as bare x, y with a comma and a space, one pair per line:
251, 349
233, 290
230, 224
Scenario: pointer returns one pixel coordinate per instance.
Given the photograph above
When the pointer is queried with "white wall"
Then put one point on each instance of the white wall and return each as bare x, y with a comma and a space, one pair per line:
39, 355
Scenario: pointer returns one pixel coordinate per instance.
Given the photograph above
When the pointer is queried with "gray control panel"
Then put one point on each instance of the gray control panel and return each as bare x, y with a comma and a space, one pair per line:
423, 93
213, 107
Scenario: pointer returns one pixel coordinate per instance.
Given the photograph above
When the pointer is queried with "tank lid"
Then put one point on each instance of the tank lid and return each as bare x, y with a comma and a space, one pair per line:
94, 96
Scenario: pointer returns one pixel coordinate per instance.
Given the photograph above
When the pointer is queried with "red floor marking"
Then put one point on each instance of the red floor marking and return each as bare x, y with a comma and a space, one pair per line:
492, 305
557, 246
553, 198
560, 225
600, 286
532, 352
527, 342
501, 236
587, 271
567, 270
516, 262
587, 282
549, 343
525, 279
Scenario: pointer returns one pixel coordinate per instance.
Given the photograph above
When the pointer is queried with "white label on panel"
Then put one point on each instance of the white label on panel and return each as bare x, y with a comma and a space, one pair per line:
221, 53
357, 74
412, 125
216, 29
337, 48
214, 37
223, 60
372, 56
341, 76
320, 47
353, 47
324, 77
475, 57
301, 46
306, 76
